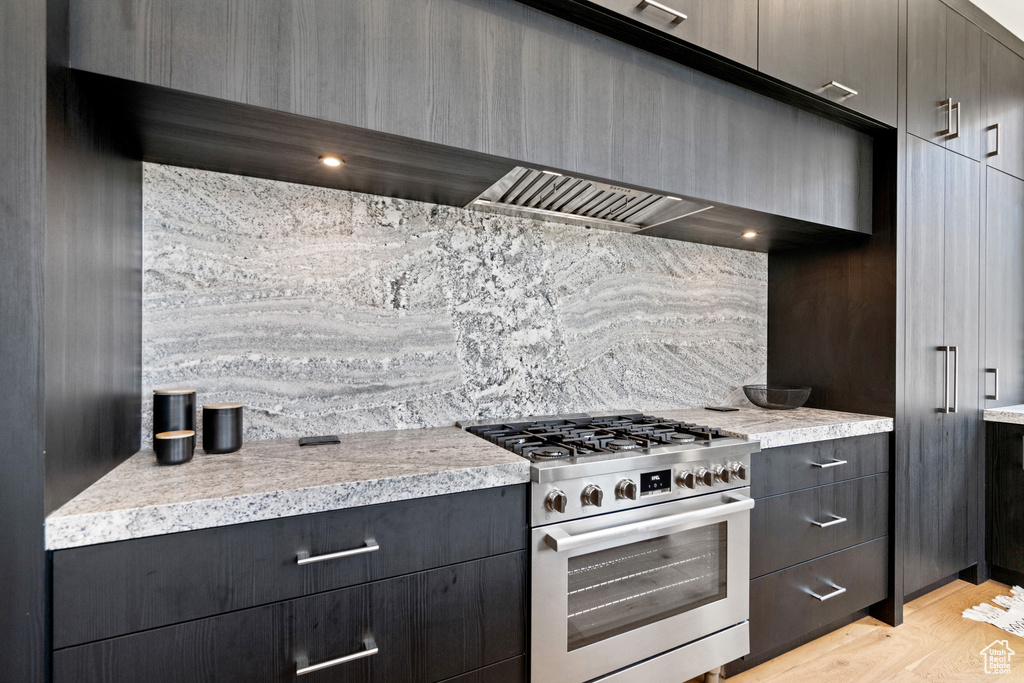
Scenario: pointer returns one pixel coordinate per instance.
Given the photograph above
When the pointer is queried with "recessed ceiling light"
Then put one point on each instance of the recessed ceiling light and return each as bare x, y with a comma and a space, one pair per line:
675, 199
483, 201
551, 173
331, 161
750, 234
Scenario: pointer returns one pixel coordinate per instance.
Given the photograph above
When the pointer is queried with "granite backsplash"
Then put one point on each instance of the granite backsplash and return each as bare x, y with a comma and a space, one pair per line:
326, 311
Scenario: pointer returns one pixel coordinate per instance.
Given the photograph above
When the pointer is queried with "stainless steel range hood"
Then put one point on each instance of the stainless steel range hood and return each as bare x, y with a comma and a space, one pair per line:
548, 195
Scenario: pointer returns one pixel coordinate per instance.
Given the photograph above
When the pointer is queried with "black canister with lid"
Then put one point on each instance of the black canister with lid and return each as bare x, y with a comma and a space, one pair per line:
175, 447
174, 410
222, 427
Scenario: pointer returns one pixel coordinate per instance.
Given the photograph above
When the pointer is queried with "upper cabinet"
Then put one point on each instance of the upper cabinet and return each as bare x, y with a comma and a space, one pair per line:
944, 76
1003, 133
843, 51
725, 27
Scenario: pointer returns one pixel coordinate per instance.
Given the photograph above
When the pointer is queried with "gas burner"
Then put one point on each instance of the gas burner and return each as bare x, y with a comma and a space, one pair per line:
622, 444
547, 452
682, 438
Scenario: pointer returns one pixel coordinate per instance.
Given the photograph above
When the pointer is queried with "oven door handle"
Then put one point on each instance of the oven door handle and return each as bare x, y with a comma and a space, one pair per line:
561, 540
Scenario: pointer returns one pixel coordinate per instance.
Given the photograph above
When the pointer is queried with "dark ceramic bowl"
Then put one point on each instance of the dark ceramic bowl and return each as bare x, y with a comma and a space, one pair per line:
777, 396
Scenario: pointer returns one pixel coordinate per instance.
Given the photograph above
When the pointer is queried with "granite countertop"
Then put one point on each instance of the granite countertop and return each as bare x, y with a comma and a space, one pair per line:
1009, 414
774, 428
270, 479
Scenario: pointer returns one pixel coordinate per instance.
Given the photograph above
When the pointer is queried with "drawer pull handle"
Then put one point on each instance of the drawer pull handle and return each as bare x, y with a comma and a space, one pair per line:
826, 465
301, 668
836, 519
827, 596
678, 17
850, 92
304, 558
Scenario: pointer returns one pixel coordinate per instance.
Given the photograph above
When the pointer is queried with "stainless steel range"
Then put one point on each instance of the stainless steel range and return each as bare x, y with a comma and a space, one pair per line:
640, 546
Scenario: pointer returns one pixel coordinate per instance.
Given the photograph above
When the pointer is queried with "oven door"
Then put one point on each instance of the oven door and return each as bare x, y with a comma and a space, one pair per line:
613, 590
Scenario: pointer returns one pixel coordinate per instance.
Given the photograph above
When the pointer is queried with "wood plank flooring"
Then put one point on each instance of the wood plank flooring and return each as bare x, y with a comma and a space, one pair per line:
935, 643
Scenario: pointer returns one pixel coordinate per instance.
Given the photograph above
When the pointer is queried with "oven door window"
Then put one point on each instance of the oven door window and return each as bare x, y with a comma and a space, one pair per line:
630, 586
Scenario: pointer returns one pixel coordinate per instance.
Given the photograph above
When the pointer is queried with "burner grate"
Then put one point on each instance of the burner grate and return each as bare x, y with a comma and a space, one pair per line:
577, 437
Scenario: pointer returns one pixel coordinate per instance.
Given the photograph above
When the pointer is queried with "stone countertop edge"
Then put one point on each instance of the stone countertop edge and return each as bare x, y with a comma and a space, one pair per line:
777, 428
1013, 415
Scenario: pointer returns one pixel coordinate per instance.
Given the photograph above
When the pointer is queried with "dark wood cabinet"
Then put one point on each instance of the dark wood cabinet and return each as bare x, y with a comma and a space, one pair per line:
428, 627
787, 604
1004, 105
943, 368
796, 527
801, 466
725, 27
1004, 446
443, 595
799, 546
1004, 289
843, 51
944, 76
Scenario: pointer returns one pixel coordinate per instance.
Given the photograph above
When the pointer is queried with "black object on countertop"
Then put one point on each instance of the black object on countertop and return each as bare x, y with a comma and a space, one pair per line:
319, 440
777, 396
222, 427
722, 409
174, 448
174, 410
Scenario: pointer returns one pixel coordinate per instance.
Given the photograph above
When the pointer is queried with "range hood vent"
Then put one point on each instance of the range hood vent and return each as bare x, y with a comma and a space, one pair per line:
547, 195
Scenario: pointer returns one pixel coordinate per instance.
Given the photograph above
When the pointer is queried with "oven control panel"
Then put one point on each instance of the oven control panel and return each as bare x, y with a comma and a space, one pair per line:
585, 496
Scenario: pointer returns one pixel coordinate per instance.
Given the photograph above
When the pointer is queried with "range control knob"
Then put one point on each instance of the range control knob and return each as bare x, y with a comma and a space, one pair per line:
626, 490
687, 479
556, 501
723, 474
593, 495
739, 469
705, 478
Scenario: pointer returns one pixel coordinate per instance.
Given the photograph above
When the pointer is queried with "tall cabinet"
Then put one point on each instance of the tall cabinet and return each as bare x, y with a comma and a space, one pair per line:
943, 362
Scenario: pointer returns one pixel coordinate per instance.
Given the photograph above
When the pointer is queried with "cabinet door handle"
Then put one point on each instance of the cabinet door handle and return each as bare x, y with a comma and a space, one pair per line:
826, 465
677, 16
836, 519
995, 375
945, 381
303, 556
956, 378
850, 92
996, 153
949, 117
952, 133
828, 596
302, 667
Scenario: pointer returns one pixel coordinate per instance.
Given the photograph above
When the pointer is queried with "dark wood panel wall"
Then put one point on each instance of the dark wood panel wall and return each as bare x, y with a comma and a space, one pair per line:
495, 77
22, 216
93, 306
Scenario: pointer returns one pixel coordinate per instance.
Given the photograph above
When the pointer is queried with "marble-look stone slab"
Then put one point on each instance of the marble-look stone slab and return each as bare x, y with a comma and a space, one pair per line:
326, 311
270, 479
1013, 415
775, 428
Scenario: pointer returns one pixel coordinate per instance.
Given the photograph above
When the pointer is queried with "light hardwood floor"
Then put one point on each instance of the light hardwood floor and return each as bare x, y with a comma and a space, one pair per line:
935, 643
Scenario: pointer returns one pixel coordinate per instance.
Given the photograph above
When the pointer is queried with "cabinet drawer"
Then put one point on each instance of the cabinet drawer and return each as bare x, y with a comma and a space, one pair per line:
725, 27
118, 588
783, 530
782, 608
791, 468
427, 627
